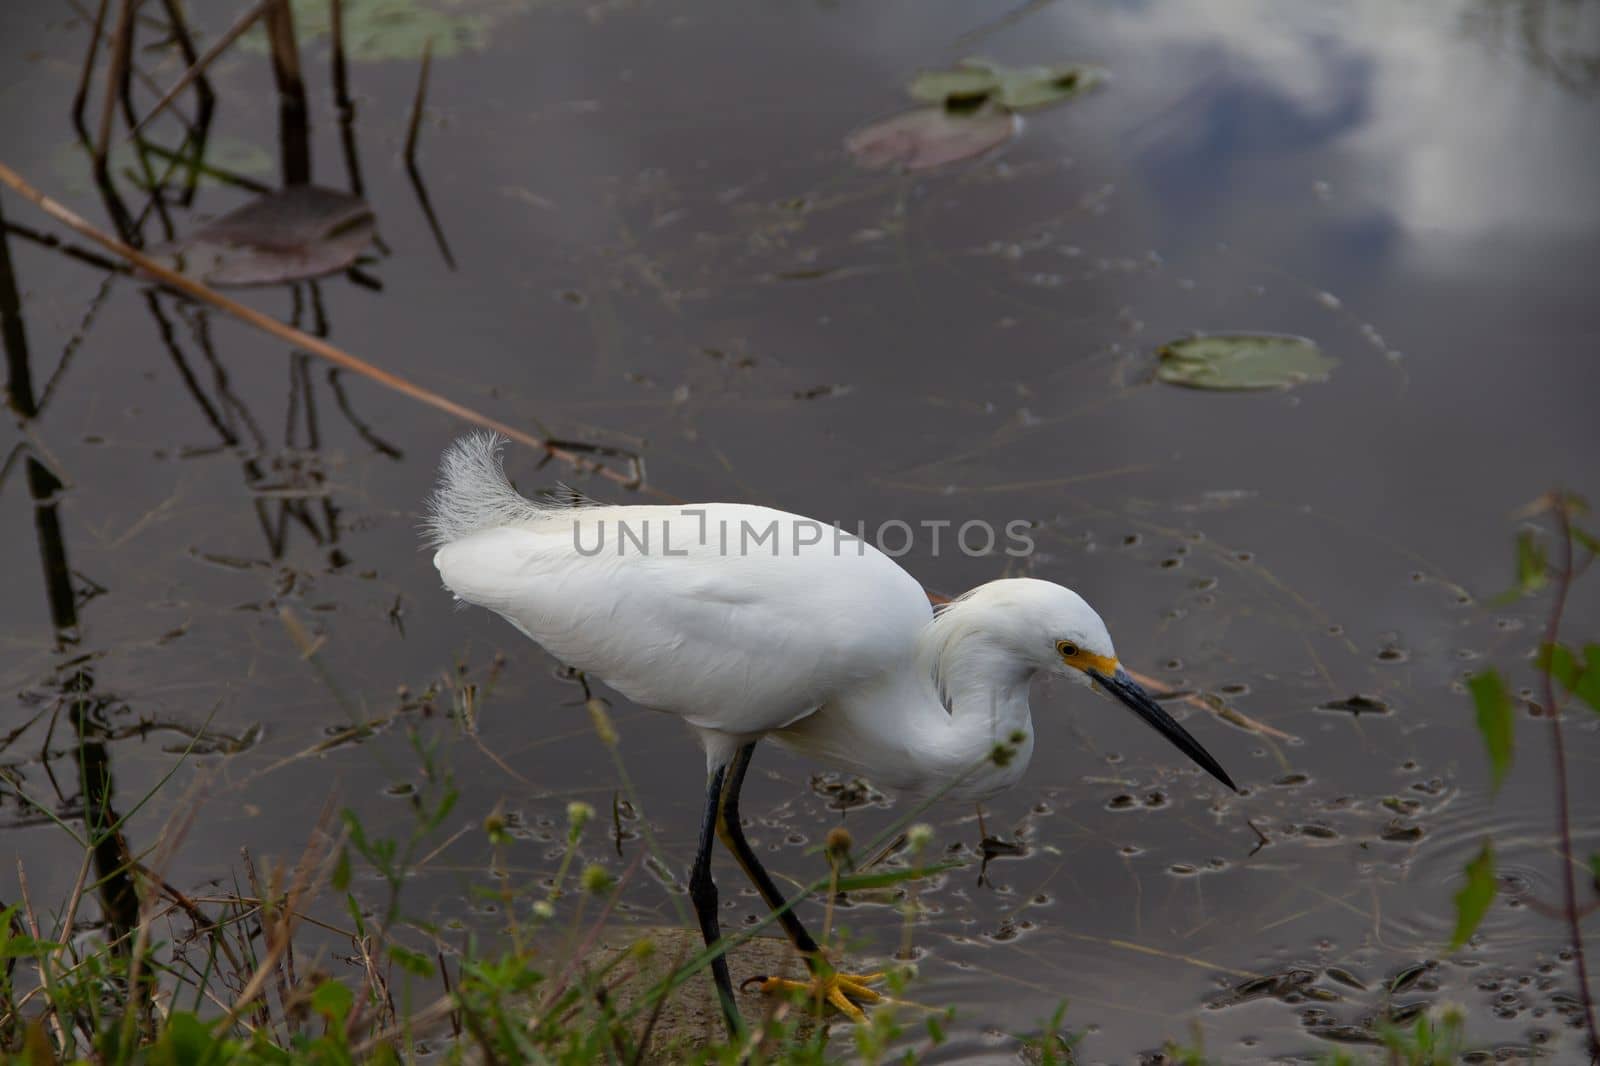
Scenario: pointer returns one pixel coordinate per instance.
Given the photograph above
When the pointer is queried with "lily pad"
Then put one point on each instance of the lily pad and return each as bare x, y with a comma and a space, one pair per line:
304, 231
977, 81
930, 137
1243, 361
376, 30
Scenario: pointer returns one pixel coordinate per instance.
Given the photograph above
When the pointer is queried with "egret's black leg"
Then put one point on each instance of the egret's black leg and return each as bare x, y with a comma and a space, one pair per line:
732, 835
703, 892
844, 991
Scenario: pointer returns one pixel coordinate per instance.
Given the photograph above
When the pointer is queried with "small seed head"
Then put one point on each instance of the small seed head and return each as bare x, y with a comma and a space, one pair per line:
602, 722
596, 879
838, 844
495, 827
919, 836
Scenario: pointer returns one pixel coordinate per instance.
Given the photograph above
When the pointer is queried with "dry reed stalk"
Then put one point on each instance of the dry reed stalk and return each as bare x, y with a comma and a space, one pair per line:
413, 132
62, 1036
198, 67
179, 26
316, 863
413, 126
341, 81
71, 915
270, 930
121, 50
314, 345
80, 96
293, 114
433, 1012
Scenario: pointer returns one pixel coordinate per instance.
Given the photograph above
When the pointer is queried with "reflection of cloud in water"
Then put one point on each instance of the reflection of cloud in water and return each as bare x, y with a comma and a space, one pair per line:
1447, 123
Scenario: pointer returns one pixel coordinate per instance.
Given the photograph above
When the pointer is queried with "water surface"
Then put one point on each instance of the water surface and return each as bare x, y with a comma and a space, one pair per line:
660, 244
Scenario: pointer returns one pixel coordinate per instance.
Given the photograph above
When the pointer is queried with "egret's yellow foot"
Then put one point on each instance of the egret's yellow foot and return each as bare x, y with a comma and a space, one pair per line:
844, 990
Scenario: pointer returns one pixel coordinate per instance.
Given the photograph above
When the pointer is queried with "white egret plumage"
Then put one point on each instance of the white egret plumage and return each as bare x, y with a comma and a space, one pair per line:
748, 623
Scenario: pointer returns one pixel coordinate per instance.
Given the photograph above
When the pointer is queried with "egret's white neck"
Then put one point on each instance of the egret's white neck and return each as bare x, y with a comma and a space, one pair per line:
941, 715
980, 683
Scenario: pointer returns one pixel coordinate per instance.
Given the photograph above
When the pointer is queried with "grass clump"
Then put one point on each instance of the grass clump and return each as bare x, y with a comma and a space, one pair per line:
273, 972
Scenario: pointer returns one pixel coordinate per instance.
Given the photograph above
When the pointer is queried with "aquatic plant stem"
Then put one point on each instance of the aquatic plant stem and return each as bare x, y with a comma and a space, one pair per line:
197, 69
314, 345
413, 131
1569, 892
121, 49
418, 102
80, 98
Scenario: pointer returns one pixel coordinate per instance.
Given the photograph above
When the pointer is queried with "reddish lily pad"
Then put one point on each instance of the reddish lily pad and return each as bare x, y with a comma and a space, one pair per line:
931, 137
301, 232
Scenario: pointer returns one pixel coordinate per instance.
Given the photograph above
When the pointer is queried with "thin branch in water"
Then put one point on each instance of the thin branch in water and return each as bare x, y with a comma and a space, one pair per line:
190, 382
121, 46
341, 81
365, 431
72, 251
360, 277
293, 116
413, 130
342, 101
417, 103
197, 68
314, 345
179, 26
134, 70
80, 97
44, 973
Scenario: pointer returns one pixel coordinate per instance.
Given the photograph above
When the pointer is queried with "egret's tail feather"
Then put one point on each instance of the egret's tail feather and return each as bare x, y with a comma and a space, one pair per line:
474, 493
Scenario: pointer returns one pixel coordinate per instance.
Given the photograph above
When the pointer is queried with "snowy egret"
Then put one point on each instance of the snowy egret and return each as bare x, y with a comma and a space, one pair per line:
747, 623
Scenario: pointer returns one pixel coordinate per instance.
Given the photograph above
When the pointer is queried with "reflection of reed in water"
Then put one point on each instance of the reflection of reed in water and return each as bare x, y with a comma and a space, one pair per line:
112, 862
278, 222
288, 484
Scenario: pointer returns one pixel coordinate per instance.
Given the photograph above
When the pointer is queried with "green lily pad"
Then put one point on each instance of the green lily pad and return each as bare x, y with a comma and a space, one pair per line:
978, 81
376, 30
1243, 361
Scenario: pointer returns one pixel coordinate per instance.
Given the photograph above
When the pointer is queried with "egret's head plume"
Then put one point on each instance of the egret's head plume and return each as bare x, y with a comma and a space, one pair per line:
1031, 623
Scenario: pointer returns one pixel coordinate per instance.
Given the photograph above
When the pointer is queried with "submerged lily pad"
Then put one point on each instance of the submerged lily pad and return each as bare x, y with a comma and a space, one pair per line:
930, 137
978, 81
223, 155
376, 30
1243, 361
300, 232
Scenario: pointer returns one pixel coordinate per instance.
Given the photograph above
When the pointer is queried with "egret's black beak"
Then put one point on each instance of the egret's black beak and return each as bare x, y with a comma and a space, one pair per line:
1139, 702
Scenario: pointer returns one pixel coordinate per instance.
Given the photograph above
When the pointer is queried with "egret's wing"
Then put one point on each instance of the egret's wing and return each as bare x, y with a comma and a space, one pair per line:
683, 610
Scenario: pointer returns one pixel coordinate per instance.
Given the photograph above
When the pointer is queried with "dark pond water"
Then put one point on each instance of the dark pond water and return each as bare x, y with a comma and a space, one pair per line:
660, 244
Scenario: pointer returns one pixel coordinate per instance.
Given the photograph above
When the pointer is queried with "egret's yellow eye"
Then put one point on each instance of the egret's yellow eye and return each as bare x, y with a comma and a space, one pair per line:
1067, 649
